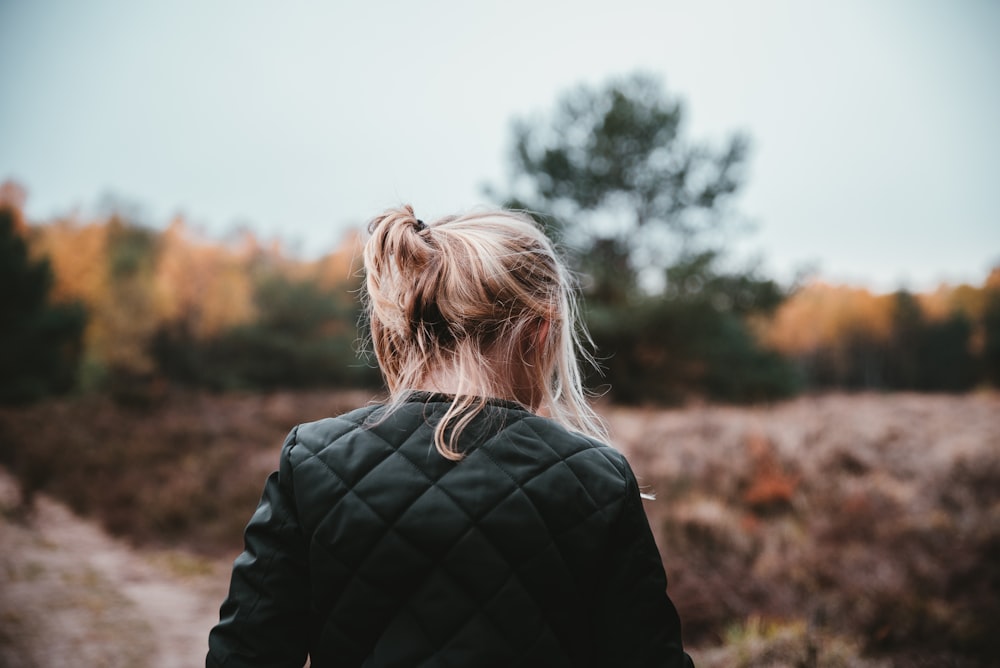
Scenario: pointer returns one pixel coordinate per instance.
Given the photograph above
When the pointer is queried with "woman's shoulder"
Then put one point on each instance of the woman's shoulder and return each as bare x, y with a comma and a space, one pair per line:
559, 435
316, 435
551, 442
507, 432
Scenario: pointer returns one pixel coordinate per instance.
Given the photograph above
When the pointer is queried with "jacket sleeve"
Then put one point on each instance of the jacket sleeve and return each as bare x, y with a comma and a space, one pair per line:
263, 621
637, 622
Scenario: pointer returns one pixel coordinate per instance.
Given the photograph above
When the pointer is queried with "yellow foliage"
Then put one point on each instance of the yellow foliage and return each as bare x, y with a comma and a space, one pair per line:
822, 316
78, 253
180, 280
207, 286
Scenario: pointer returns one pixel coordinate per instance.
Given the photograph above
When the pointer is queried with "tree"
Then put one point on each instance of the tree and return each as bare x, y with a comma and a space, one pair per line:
621, 185
990, 319
39, 341
903, 364
645, 214
303, 331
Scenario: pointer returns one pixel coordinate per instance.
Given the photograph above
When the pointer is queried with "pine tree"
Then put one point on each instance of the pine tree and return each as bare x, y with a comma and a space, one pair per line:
39, 341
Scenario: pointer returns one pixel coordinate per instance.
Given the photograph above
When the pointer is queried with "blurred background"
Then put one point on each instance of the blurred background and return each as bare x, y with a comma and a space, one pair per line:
783, 219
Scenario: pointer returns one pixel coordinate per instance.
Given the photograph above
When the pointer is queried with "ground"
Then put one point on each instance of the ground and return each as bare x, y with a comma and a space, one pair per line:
827, 531
71, 595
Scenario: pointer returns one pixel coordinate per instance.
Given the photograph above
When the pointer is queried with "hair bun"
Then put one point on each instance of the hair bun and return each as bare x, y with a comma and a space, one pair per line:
400, 216
485, 297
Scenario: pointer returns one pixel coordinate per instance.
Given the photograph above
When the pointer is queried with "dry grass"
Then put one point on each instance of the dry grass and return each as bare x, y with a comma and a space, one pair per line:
869, 517
826, 531
187, 472
56, 609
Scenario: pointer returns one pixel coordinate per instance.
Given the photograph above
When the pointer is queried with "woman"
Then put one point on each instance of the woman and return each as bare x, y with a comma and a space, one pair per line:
454, 525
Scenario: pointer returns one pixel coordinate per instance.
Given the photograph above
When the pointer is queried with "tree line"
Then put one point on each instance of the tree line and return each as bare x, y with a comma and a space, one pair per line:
112, 306
841, 337
142, 309
645, 215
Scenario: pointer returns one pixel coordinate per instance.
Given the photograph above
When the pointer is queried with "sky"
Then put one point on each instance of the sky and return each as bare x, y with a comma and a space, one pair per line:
874, 126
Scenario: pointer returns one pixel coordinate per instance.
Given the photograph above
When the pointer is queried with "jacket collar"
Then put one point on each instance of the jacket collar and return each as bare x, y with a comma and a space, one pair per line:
424, 396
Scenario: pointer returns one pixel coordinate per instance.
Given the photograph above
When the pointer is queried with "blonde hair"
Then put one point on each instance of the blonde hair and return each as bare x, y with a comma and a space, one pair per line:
482, 296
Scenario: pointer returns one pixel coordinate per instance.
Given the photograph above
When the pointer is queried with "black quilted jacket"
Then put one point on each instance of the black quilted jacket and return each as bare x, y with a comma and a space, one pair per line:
370, 549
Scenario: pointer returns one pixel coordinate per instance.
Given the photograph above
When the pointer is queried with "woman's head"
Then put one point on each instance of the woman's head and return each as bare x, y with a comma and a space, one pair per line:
477, 305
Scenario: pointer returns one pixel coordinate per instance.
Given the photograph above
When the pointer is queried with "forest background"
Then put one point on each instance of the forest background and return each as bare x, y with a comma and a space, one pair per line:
110, 322
643, 213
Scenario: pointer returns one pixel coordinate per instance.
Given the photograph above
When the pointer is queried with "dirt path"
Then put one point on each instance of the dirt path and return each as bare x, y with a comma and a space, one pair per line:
70, 595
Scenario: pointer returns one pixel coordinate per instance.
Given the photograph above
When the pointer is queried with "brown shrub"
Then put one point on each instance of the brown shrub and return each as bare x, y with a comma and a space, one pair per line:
770, 488
187, 471
870, 522
875, 518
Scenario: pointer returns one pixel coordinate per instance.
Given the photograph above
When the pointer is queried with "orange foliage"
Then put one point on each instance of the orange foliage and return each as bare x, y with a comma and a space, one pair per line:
947, 300
207, 286
179, 280
822, 316
78, 253
770, 486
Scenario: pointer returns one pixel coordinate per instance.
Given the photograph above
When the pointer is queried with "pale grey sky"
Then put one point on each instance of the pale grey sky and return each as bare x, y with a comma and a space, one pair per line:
874, 124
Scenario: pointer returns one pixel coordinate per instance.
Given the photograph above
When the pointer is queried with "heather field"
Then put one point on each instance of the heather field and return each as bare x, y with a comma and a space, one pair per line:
836, 530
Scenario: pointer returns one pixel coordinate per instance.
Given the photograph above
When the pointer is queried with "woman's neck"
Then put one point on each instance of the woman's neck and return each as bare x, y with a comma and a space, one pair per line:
451, 381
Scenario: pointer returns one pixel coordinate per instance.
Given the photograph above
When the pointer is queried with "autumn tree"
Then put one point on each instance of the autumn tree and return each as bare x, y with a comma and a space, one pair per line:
991, 344
845, 337
201, 288
300, 326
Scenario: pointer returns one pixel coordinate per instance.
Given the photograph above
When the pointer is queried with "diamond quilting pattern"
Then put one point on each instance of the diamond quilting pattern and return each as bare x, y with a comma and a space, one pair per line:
391, 487
435, 554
